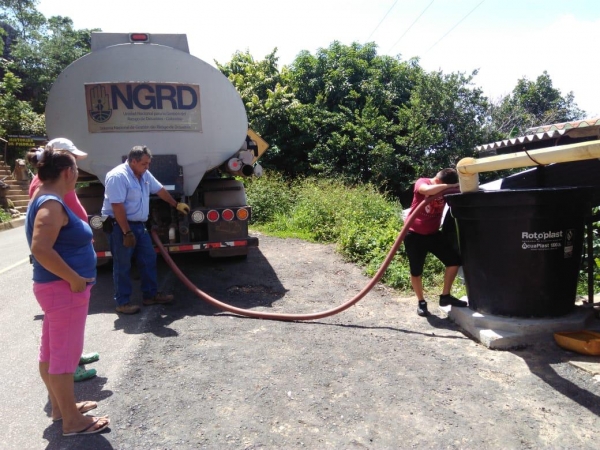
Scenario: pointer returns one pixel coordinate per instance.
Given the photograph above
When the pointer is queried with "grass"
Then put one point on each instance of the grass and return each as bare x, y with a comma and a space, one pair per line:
360, 221
4, 216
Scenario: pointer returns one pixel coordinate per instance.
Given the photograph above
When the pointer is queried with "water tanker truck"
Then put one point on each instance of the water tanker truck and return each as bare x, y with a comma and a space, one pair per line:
147, 89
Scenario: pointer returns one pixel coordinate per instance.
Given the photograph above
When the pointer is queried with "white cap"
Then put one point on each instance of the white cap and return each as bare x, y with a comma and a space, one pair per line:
65, 144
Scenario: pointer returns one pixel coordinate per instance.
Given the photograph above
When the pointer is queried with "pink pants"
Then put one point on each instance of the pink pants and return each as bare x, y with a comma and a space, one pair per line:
63, 329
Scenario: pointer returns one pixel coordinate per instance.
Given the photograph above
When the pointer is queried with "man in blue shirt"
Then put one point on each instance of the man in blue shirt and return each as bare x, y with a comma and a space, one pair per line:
127, 192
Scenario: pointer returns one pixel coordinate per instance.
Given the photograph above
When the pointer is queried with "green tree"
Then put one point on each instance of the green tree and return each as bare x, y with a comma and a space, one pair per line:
39, 62
348, 112
530, 104
378, 119
442, 123
22, 15
270, 104
17, 116
346, 124
43, 48
259, 85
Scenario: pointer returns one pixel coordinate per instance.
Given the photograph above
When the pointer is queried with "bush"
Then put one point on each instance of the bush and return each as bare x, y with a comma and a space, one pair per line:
4, 216
362, 222
269, 196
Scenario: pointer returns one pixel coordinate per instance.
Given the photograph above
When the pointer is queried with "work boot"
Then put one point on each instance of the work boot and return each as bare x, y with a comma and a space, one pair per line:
422, 308
128, 308
450, 300
158, 299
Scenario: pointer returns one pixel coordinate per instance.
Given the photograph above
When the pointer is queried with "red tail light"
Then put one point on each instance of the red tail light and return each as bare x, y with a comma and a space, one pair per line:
139, 37
227, 214
212, 215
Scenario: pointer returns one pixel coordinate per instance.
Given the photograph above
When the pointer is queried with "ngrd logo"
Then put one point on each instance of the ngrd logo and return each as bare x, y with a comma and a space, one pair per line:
103, 99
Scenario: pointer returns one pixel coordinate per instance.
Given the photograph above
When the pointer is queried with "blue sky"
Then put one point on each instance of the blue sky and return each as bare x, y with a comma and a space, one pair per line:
504, 39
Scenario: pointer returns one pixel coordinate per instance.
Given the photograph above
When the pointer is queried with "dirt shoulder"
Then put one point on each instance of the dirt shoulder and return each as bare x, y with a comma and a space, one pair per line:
376, 376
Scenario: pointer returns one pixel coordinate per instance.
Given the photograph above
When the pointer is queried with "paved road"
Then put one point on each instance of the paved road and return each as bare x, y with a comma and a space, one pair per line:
25, 408
376, 376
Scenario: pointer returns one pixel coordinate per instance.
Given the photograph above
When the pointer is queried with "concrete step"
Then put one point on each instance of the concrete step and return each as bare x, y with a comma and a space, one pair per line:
20, 203
17, 184
17, 195
18, 191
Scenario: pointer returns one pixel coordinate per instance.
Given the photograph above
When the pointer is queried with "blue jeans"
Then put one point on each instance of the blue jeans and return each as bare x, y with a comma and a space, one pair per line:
146, 262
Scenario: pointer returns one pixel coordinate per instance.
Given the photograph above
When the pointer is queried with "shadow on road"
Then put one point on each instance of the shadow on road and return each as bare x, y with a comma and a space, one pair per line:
243, 283
89, 389
440, 322
56, 441
547, 361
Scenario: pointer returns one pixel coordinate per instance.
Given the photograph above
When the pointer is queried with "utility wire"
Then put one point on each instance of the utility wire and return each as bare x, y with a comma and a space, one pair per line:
411, 25
457, 24
386, 14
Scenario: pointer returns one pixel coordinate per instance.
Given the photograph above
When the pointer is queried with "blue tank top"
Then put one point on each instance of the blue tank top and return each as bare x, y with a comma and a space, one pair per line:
73, 243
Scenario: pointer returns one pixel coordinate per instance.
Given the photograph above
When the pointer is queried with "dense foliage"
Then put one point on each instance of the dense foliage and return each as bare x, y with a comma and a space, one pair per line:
4, 216
349, 112
359, 220
35, 51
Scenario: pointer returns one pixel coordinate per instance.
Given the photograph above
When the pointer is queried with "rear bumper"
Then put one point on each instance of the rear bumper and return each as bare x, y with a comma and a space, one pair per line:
197, 247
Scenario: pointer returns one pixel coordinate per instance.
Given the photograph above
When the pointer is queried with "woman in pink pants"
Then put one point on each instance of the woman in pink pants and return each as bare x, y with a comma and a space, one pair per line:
64, 269
72, 202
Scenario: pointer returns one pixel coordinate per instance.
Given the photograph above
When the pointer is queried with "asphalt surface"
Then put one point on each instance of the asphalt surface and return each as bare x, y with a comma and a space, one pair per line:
188, 376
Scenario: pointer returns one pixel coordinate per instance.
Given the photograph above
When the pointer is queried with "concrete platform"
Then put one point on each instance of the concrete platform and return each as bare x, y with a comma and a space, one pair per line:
503, 333
589, 365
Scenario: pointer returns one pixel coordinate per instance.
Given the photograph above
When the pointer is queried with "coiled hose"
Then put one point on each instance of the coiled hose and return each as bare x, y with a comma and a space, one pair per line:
301, 317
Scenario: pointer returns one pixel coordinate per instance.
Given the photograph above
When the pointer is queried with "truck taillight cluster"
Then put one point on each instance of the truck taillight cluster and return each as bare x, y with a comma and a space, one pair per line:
217, 214
198, 216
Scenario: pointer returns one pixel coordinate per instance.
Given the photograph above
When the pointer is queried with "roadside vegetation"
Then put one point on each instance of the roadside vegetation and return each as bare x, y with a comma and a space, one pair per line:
4, 216
360, 221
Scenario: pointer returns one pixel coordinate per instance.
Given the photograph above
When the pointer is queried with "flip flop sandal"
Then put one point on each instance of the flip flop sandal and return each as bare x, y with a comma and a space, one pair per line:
84, 407
87, 430
81, 374
89, 358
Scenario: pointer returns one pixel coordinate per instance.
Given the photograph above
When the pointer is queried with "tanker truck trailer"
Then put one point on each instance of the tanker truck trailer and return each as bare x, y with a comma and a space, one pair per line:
147, 89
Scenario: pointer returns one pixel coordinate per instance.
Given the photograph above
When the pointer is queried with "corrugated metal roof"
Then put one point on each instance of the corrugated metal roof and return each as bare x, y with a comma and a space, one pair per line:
579, 128
565, 126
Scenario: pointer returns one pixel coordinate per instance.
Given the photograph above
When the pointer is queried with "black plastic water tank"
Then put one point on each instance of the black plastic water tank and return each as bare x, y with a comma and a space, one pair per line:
521, 249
